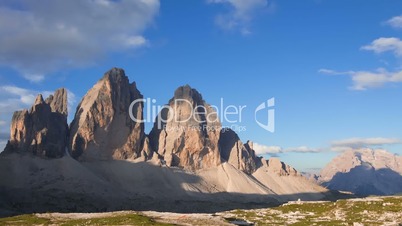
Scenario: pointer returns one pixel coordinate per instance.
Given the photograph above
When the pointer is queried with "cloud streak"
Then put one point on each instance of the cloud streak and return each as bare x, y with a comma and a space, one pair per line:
358, 143
263, 149
304, 149
13, 98
40, 37
275, 150
382, 45
240, 14
395, 22
363, 80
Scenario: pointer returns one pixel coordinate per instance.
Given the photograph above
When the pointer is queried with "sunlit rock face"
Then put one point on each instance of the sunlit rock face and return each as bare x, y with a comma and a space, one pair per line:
102, 128
41, 130
186, 132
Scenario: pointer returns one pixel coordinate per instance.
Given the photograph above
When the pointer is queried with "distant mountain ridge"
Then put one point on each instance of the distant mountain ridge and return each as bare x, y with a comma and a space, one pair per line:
364, 172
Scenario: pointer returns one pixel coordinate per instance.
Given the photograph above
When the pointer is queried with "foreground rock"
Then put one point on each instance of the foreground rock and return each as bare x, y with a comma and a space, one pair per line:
364, 172
187, 133
41, 130
102, 128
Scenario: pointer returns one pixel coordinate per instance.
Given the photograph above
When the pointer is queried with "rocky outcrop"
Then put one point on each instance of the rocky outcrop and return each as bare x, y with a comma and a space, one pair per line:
41, 130
58, 102
102, 128
274, 165
187, 131
241, 156
364, 172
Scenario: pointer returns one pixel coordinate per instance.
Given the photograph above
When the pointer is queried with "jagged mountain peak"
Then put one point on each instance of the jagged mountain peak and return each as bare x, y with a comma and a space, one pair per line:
188, 93
58, 101
39, 99
115, 75
102, 127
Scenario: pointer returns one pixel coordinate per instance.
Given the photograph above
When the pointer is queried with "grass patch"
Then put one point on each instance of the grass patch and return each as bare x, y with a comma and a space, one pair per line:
374, 211
26, 219
126, 219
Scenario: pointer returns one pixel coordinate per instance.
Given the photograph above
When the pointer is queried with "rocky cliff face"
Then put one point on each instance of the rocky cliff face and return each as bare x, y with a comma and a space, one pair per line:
364, 172
41, 130
241, 156
187, 131
102, 128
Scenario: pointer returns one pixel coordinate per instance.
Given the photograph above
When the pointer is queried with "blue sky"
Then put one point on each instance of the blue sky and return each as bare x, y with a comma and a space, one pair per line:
334, 67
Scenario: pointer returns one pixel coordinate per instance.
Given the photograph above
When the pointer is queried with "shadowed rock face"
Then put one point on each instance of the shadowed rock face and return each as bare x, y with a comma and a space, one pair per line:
102, 128
239, 155
43, 129
190, 138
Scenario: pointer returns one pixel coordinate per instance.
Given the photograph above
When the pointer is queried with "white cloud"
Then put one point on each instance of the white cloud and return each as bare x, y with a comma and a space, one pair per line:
264, 149
39, 37
395, 22
381, 45
240, 15
25, 96
34, 77
333, 72
357, 143
363, 80
17, 96
71, 101
303, 149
